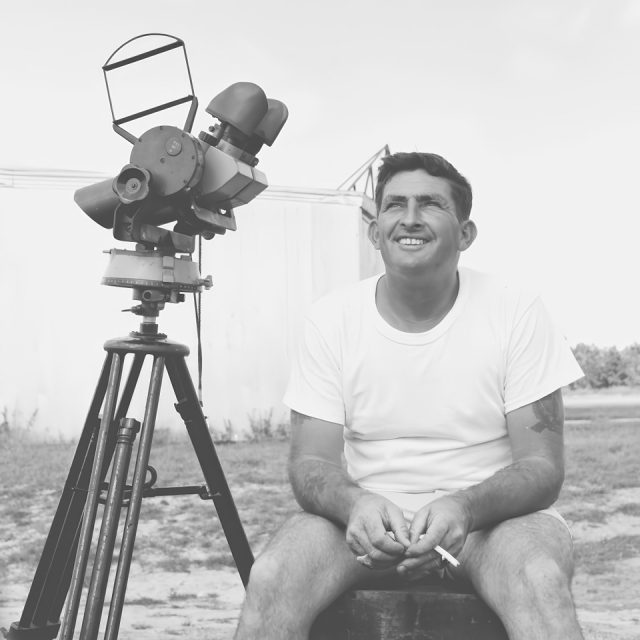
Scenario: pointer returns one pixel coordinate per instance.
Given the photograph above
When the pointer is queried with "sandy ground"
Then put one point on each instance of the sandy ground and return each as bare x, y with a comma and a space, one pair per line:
196, 605
609, 603
204, 604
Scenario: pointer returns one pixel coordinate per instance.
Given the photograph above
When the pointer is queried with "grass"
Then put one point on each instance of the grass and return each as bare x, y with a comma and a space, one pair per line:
596, 558
175, 533
592, 515
603, 413
631, 509
601, 456
145, 602
183, 533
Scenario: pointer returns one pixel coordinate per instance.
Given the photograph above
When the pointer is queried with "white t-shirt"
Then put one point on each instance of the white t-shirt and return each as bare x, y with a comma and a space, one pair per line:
426, 411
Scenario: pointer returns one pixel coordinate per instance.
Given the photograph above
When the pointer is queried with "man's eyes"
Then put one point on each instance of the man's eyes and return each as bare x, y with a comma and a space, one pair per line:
426, 204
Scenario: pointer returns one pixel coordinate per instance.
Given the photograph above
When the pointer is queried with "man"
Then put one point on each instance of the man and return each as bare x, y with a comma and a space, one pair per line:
442, 386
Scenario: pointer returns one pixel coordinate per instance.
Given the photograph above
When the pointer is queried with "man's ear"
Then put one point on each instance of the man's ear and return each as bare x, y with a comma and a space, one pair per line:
468, 233
374, 233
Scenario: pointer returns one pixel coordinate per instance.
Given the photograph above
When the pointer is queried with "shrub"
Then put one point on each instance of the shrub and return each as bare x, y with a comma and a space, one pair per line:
264, 428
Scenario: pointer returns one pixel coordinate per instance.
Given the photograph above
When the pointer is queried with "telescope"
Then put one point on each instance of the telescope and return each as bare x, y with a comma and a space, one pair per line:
194, 183
174, 177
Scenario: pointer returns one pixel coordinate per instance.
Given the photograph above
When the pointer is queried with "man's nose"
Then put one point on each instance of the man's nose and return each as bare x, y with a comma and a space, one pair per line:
412, 213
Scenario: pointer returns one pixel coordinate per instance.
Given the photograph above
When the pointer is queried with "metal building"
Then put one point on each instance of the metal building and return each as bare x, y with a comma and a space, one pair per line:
292, 245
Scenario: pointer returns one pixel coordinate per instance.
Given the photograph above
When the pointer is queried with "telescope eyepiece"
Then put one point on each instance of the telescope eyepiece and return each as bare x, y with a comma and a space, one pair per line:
172, 176
242, 104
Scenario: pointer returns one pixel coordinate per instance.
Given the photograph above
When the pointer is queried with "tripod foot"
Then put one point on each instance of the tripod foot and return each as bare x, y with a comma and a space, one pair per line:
44, 632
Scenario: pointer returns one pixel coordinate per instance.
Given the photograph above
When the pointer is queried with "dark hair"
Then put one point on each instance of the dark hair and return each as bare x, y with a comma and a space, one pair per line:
434, 165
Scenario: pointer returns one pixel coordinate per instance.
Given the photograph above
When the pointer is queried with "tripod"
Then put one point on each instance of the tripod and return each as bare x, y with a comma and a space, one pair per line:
108, 441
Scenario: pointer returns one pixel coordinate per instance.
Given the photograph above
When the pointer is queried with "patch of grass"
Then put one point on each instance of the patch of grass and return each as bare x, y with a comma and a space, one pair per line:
176, 597
29, 468
145, 602
152, 510
28, 555
630, 509
225, 434
600, 557
208, 601
174, 562
600, 456
601, 413
586, 514
185, 531
15, 423
217, 559
263, 427
21, 516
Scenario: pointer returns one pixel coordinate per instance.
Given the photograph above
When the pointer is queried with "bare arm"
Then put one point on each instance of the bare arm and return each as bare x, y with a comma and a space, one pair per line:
319, 481
530, 483
322, 486
534, 479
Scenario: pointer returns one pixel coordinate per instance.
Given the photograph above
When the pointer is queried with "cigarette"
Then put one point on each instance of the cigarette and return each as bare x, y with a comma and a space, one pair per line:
446, 556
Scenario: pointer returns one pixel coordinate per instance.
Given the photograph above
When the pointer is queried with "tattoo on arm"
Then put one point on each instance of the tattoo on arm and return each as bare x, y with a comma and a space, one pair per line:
315, 479
549, 412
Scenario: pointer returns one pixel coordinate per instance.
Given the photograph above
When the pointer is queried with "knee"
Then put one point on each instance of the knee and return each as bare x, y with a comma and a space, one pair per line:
265, 613
266, 574
544, 581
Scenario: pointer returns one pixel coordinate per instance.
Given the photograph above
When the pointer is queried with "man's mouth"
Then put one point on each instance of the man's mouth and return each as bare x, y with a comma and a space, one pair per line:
407, 241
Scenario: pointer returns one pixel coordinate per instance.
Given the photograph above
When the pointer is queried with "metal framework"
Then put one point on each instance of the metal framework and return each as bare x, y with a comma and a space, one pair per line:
36, 178
362, 180
365, 172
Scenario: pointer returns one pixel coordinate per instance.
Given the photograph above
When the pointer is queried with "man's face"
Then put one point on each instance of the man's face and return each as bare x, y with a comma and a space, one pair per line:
417, 228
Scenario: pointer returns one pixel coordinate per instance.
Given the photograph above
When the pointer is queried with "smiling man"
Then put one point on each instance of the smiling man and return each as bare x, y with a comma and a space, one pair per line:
442, 388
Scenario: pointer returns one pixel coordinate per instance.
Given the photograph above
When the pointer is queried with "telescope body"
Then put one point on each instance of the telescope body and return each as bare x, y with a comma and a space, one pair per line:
174, 171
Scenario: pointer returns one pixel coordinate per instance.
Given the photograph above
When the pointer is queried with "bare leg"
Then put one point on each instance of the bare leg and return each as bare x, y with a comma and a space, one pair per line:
522, 568
302, 571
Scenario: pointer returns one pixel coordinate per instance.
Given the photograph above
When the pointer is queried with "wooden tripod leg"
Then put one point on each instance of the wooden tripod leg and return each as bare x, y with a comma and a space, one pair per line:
89, 515
135, 502
42, 607
191, 412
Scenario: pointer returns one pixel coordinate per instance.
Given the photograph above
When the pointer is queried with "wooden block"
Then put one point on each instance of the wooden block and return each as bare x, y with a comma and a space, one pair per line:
409, 613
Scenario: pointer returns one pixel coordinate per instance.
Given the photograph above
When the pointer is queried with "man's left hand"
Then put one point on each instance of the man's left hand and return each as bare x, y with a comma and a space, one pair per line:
445, 522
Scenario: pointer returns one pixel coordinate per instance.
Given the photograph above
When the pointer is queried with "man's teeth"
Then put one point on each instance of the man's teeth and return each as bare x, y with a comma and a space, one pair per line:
411, 241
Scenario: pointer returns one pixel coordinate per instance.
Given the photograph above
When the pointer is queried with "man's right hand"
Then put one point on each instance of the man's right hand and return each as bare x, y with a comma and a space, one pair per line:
370, 519
322, 486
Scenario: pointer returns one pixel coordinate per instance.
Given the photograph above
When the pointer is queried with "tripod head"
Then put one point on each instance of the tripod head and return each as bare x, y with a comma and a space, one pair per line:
174, 177
155, 277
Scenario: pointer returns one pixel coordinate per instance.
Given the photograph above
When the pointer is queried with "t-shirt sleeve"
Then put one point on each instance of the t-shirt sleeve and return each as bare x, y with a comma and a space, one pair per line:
539, 359
315, 383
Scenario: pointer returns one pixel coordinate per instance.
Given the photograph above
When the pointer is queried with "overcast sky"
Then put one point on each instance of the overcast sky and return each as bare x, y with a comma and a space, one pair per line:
537, 103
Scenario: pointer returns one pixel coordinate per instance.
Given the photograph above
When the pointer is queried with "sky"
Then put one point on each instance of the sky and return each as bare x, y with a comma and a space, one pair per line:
537, 103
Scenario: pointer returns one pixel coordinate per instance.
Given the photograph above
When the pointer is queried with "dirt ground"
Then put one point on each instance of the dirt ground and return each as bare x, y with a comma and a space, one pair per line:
609, 603
204, 603
184, 599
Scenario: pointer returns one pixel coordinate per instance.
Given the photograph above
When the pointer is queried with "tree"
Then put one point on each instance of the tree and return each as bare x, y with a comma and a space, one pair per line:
603, 366
631, 364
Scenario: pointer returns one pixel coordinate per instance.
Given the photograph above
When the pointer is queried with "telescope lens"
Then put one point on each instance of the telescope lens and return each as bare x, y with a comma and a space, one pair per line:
99, 202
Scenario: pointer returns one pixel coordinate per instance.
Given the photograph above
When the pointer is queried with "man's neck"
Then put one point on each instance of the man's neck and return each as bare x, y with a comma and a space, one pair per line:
412, 306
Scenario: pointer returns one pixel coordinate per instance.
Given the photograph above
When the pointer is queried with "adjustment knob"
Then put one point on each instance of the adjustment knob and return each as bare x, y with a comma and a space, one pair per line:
132, 184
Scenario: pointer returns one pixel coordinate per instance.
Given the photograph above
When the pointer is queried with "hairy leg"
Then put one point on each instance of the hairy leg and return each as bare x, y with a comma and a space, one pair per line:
303, 569
522, 568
